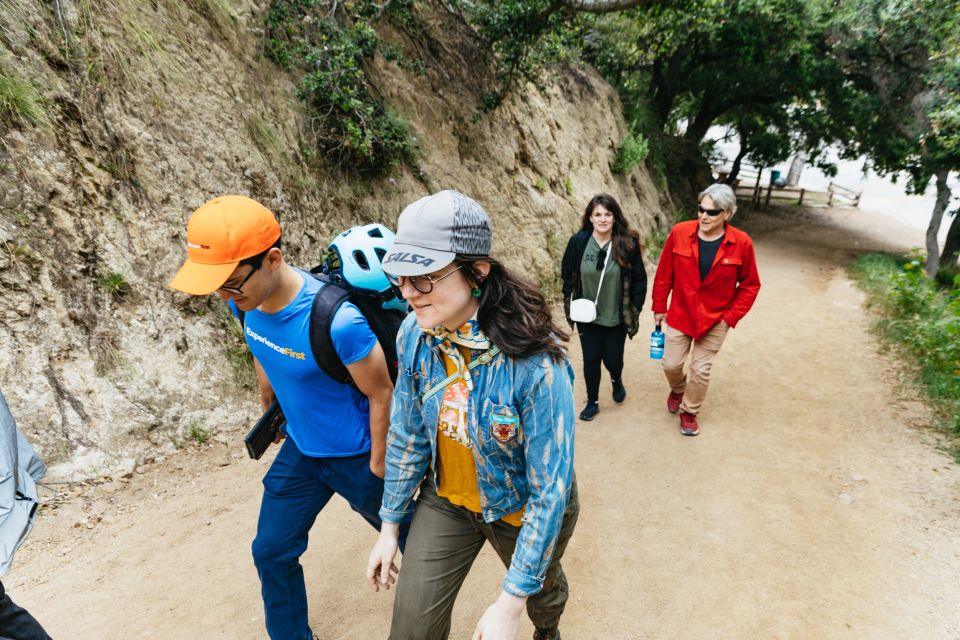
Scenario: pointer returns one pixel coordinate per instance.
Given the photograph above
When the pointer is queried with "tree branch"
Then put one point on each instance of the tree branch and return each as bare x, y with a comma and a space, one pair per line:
600, 6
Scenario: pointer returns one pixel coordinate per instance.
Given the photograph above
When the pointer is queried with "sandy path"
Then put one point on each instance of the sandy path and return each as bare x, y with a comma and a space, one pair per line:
811, 505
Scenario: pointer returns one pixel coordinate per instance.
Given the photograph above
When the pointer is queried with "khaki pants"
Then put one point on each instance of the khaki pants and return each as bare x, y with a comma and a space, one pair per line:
676, 348
444, 541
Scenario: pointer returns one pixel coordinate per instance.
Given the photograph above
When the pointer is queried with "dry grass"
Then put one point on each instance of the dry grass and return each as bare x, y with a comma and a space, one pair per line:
119, 41
20, 102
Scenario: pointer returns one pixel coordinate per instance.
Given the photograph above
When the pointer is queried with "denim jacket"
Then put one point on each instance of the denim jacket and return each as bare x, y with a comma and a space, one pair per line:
521, 426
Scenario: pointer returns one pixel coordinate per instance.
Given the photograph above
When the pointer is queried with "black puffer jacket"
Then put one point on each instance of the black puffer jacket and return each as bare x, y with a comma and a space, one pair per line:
633, 281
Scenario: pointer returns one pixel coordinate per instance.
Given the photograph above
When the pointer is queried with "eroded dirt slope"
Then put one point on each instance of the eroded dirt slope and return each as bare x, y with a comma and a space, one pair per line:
154, 108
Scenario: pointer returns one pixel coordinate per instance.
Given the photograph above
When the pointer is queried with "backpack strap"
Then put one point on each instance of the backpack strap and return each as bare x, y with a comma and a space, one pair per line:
484, 358
325, 304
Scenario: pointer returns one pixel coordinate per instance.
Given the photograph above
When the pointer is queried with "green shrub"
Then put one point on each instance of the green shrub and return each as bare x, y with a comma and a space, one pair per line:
115, 284
528, 38
922, 321
197, 433
633, 150
353, 128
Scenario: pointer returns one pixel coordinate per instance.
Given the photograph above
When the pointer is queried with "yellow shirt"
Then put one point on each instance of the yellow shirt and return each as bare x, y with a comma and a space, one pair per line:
456, 468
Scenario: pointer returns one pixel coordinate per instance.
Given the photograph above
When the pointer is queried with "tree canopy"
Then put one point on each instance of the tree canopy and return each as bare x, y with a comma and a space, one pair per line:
902, 61
876, 78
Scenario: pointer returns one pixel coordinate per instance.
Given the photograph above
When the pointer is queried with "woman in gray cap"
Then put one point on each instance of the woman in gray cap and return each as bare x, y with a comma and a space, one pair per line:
481, 423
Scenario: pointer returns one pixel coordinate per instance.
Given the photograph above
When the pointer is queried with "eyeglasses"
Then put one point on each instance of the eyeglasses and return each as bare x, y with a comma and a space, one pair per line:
710, 212
423, 284
238, 290
601, 259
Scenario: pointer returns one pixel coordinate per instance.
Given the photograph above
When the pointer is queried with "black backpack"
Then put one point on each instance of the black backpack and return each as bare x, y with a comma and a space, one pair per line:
385, 324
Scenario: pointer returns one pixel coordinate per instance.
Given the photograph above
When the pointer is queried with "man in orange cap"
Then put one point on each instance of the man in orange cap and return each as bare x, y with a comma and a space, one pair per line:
337, 432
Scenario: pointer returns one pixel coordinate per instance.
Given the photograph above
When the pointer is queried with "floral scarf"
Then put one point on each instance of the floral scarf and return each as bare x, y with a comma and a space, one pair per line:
469, 335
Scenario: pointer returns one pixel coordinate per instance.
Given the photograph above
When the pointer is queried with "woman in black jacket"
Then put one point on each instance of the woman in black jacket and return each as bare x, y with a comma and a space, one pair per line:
622, 290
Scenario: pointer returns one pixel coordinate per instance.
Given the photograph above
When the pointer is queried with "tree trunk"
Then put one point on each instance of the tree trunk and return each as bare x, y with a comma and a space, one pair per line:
735, 169
661, 91
951, 250
796, 168
943, 199
698, 128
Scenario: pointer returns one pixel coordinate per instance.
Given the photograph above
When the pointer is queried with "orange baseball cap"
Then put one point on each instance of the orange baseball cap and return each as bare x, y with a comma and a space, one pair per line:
220, 234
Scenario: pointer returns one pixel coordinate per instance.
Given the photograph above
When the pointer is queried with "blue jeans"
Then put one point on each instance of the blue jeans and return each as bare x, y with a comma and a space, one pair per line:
295, 489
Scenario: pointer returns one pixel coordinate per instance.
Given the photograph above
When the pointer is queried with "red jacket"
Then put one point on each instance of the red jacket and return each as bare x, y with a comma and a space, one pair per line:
727, 293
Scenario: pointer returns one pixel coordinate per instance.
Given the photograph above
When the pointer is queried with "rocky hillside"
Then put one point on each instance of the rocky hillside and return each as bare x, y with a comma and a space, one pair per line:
127, 115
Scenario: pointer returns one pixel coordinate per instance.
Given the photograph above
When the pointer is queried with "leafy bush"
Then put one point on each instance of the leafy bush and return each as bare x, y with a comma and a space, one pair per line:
922, 321
352, 127
633, 150
528, 37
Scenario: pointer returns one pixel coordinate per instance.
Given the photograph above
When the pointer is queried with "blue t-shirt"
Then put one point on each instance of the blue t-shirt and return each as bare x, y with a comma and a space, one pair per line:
325, 418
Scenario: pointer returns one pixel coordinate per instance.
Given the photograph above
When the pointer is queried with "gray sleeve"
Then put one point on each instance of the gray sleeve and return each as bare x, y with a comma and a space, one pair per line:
8, 460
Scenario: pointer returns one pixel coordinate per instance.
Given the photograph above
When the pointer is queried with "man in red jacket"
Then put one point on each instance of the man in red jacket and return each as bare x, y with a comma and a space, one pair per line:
711, 269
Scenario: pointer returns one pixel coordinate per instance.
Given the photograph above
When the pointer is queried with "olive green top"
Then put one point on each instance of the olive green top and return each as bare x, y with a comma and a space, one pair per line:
608, 305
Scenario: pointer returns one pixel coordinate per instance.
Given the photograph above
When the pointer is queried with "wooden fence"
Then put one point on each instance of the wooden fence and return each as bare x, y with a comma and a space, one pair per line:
834, 196
748, 185
842, 196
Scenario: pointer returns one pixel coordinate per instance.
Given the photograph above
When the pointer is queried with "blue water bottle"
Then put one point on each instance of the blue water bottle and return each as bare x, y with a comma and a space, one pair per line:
656, 344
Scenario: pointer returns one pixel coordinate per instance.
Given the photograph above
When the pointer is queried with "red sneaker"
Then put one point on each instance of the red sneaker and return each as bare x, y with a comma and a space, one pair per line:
688, 424
673, 402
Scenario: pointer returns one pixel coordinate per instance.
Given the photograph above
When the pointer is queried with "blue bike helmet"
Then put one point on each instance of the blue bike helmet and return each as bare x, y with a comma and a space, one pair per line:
355, 256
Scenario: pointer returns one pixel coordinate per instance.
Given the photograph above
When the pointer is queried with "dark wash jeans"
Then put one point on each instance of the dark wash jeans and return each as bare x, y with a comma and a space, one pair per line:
443, 543
601, 345
296, 488
16, 623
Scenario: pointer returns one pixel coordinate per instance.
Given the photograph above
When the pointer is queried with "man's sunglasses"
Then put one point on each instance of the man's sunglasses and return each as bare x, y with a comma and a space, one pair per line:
709, 212
238, 290
423, 284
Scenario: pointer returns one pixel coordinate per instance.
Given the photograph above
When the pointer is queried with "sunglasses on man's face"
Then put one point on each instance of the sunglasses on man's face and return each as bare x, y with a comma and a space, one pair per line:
709, 212
238, 290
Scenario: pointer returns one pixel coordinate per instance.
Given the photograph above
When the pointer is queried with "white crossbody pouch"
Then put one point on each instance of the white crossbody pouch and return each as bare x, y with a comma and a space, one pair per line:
583, 309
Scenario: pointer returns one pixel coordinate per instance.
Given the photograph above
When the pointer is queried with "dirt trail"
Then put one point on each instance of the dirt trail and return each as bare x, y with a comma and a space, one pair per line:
811, 505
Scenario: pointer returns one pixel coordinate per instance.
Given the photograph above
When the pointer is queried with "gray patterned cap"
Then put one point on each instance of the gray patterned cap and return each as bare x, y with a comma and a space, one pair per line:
433, 230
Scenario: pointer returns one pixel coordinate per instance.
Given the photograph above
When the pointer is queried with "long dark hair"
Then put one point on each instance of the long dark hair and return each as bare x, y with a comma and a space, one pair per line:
624, 238
513, 313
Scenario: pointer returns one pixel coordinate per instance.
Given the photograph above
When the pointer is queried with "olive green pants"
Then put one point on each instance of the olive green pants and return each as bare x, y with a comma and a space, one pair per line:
444, 541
